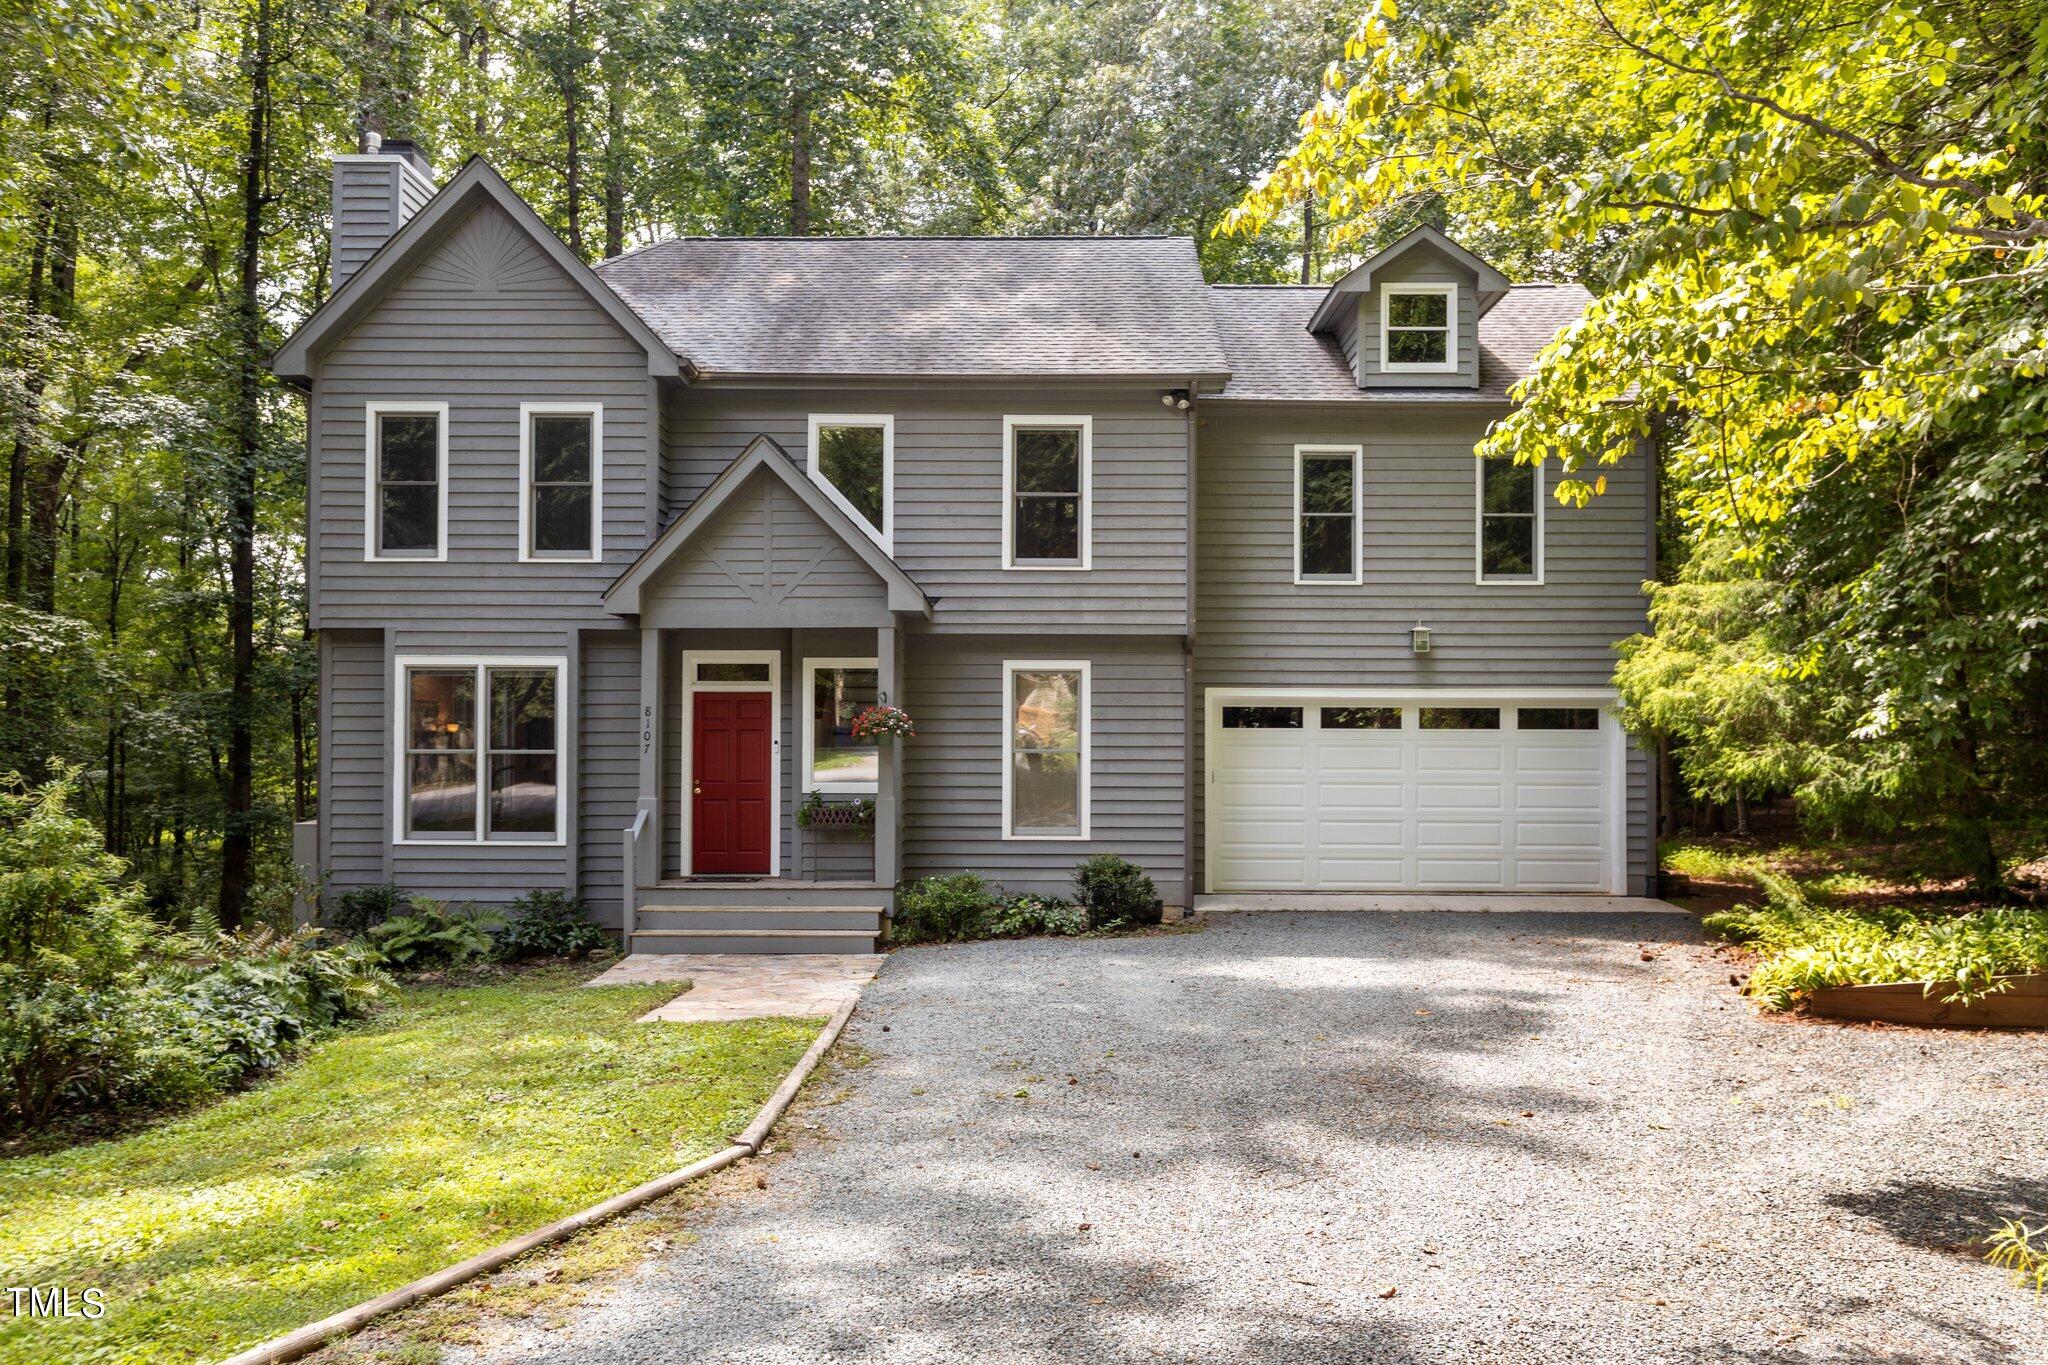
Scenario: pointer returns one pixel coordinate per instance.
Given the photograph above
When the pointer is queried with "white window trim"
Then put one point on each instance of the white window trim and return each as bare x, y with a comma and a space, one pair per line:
527, 412
810, 744
1357, 574
1449, 364
885, 534
1010, 427
773, 687
1479, 574
1011, 668
373, 530
1613, 744
401, 721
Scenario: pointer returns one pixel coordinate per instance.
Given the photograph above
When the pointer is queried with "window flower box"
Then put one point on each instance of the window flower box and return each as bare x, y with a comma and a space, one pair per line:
819, 814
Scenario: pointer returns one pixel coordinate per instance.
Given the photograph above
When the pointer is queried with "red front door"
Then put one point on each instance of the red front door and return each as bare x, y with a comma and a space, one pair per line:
730, 794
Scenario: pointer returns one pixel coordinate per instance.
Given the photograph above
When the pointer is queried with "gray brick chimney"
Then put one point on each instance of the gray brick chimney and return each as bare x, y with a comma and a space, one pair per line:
373, 196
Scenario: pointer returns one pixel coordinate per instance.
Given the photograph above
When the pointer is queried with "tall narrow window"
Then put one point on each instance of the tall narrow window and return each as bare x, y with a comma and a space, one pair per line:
441, 753
1045, 751
1510, 522
1326, 514
408, 471
561, 463
524, 791
834, 760
1045, 496
853, 459
470, 778
1418, 328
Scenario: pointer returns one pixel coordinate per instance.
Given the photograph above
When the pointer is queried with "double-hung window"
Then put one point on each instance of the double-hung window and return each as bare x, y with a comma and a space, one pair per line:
561, 481
479, 757
1510, 522
853, 458
1046, 513
1045, 750
1327, 538
1419, 328
835, 761
406, 478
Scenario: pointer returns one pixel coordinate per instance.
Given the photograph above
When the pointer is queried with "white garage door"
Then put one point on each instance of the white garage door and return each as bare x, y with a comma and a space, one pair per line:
1341, 796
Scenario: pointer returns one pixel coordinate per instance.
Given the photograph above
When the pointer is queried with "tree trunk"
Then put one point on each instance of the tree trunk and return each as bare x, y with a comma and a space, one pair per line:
1741, 816
237, 839
572, 132
26, 424
614, 162
370, 120
1308, 239
1667, 789
800, 164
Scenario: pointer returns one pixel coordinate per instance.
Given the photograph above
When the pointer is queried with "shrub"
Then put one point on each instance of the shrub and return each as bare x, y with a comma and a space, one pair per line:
430, 935
549, 924
187, 1031
1805, 947
945, 909
2023, 1250
65, 909
1028, 914
355, 913
1115, 891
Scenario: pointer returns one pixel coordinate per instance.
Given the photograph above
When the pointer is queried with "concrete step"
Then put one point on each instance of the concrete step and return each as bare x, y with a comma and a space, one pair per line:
753, 941
707, 918
769, 891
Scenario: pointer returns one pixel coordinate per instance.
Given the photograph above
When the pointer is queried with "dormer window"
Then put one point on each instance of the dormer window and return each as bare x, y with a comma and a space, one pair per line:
1419, 328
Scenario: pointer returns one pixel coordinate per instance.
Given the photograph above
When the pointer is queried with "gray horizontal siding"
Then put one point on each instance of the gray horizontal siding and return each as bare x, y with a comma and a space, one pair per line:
353, 759
948, 488
952, 817
485, 323
609, 766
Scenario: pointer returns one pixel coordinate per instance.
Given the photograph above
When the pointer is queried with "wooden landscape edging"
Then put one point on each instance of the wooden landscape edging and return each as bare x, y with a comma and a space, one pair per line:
2022, 1004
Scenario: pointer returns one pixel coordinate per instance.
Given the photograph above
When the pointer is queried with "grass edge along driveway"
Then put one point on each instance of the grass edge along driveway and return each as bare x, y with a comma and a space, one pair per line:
459, 1117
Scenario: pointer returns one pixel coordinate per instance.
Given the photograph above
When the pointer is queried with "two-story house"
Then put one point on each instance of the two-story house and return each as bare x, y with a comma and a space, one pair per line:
604, 561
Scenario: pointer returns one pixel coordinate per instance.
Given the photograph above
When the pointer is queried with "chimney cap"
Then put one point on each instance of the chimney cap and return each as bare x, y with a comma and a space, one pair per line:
407, 150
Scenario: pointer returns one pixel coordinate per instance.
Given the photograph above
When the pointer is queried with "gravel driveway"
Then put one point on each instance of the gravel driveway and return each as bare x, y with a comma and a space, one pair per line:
1231, 1144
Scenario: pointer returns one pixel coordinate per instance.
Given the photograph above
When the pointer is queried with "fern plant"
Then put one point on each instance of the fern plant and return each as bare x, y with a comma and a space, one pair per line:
433, 935
2024, 1251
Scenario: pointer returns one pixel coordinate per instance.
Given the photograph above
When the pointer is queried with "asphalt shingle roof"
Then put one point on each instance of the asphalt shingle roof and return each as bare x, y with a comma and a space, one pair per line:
1273, 356
990, 306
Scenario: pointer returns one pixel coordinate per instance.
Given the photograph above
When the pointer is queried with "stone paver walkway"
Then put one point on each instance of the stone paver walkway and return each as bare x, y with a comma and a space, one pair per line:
745, 985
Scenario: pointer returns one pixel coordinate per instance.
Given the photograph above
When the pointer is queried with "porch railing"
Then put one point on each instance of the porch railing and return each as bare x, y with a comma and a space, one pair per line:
637, 870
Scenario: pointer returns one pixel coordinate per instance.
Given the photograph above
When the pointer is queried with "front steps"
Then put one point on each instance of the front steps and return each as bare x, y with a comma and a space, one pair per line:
767, 916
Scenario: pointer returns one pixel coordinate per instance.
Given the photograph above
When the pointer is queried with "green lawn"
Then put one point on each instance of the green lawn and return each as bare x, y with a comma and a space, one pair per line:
458, 1118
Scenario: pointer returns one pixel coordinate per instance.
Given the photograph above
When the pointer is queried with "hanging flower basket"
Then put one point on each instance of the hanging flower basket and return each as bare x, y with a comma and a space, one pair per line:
883, 722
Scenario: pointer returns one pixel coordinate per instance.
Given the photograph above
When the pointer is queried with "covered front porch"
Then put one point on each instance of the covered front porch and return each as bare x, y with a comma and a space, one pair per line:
768, 621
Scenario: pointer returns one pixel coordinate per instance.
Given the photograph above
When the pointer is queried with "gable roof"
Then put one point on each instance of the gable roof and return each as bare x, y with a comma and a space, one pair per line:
810, 307
475, 184
1276, 358
1492, 284
762, 454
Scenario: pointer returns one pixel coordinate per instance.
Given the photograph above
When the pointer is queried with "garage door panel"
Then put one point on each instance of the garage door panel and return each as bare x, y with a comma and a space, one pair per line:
1347, 797
1370, 810
1462, 874
1442, 797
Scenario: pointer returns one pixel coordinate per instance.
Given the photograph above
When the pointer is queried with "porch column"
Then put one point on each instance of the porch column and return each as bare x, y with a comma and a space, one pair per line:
645, 866
889, 781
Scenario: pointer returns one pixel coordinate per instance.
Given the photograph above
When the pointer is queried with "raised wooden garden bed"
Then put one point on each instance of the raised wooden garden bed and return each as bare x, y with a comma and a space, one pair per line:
2023, 1004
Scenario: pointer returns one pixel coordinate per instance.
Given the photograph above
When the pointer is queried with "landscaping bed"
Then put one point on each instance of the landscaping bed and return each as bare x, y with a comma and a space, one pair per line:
460, 1116
1854, 938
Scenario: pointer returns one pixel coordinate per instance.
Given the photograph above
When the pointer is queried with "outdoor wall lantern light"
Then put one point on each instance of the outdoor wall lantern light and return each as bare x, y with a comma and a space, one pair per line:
1418, 637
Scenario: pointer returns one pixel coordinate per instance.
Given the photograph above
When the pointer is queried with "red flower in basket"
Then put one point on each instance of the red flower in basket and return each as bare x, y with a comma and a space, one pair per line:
883, 722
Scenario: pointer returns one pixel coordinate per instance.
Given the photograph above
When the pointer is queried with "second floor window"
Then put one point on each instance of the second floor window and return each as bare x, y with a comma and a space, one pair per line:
1046, 514
408, 469
1510, 522
853, 460
561, 463
1326, 520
